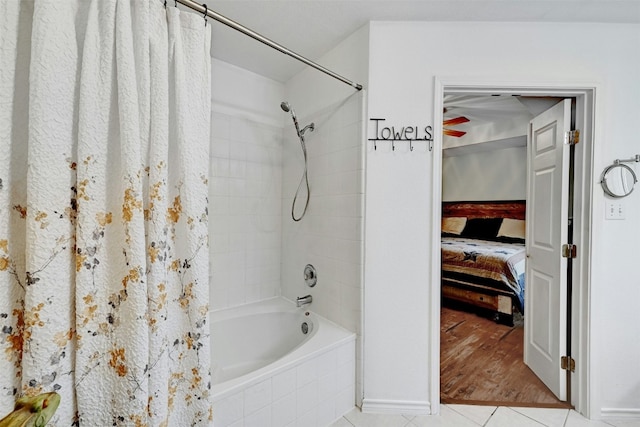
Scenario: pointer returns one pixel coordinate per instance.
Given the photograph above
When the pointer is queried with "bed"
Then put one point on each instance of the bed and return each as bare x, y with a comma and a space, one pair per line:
483, 257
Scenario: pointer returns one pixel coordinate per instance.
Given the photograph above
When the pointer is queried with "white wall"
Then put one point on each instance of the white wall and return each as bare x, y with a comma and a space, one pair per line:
245, 186
316, 91
486, 175
404, 60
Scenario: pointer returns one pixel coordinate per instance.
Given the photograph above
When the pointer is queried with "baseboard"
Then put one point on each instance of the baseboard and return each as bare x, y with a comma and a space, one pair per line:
617, 413
403, 407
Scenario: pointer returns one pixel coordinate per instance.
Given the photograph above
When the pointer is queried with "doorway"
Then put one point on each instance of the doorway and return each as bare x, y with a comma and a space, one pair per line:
579, 332
485, 182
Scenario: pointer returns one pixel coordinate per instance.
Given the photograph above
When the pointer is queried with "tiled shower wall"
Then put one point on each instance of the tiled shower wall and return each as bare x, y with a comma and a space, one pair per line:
244, 210
330, 236
257, 250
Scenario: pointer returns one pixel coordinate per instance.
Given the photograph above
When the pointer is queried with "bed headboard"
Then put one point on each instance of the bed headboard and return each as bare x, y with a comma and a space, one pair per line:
514, 209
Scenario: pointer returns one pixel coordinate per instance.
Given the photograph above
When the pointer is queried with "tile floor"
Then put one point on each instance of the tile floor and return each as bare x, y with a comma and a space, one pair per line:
486, 416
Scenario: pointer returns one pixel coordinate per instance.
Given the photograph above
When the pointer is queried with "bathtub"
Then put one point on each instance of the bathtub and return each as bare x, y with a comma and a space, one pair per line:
274, 364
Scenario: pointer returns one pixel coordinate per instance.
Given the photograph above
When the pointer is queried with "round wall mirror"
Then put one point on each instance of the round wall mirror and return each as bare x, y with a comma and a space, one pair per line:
618, 180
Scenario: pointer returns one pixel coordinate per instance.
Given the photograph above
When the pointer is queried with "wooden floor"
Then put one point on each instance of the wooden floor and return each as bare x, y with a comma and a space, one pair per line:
481, 362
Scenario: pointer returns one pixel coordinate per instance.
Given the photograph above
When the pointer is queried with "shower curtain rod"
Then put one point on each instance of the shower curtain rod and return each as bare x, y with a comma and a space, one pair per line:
230, 23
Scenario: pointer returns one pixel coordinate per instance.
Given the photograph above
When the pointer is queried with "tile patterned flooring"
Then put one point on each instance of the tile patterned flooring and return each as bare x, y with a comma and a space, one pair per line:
484, 416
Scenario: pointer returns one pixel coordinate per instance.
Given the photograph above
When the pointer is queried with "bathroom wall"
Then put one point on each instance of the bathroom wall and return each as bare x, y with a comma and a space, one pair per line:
397, 267
255, 169
486, 175
245, 187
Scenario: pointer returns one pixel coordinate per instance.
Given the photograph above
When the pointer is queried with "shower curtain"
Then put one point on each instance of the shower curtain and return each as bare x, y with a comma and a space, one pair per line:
104, 130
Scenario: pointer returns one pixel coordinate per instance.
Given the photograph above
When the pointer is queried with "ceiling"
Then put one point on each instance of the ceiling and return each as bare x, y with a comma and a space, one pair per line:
493, 121
313, 27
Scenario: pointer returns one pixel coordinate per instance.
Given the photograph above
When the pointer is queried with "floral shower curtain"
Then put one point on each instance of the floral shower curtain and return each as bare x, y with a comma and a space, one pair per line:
104, 130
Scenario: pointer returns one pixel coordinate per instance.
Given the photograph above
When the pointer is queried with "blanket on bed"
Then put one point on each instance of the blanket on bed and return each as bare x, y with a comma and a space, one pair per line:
495, 264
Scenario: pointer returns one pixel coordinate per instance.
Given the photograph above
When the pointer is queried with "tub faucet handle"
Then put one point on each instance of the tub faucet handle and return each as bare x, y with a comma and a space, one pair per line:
300, 301
310, 275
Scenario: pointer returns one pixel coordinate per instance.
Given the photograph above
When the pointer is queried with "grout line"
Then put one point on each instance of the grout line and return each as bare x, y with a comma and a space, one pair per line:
350, 423
473, 421
532, 419
490, 416
609, 423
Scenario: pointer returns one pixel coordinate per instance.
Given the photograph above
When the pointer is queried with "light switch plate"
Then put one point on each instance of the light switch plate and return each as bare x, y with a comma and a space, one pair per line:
614, 210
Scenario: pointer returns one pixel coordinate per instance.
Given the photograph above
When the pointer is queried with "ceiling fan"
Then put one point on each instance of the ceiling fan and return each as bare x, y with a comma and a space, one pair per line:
453, 122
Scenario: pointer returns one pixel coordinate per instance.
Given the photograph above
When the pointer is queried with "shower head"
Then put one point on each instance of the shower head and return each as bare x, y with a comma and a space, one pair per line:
287, 108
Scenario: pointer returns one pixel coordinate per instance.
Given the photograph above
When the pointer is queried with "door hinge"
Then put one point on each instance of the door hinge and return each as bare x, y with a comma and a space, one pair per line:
572, 137
568, 363
569, 251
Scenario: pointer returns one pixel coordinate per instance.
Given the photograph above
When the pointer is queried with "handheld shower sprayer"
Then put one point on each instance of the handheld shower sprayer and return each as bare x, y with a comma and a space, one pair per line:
287, 108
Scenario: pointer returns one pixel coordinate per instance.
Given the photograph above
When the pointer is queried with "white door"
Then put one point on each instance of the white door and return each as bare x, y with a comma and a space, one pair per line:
546, 271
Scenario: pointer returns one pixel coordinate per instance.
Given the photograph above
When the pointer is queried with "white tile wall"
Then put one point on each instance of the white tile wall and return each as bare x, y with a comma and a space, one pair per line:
284, 410
330, 236
315, 392
244, 210
229, 411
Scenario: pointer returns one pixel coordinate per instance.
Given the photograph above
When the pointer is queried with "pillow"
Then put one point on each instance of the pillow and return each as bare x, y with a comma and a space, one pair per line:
482, 228
453, 225
514, 228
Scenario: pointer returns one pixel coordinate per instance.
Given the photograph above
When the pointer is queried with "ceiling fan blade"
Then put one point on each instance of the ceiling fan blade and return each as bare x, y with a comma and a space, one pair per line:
455, 133
455, 121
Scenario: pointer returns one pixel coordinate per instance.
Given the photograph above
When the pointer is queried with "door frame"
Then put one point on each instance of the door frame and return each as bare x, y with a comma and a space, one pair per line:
583, 207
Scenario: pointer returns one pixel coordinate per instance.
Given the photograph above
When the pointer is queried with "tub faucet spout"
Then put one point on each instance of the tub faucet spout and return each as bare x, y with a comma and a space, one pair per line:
300, 301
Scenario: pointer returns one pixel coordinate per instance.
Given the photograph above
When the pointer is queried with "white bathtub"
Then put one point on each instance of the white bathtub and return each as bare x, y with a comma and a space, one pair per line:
246, 342
267, 372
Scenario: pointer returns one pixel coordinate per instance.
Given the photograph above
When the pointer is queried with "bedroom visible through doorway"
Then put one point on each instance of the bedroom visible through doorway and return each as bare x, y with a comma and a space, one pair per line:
482, 322
484, 188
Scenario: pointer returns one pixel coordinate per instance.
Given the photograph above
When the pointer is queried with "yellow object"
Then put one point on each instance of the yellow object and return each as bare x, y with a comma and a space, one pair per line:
33, 411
